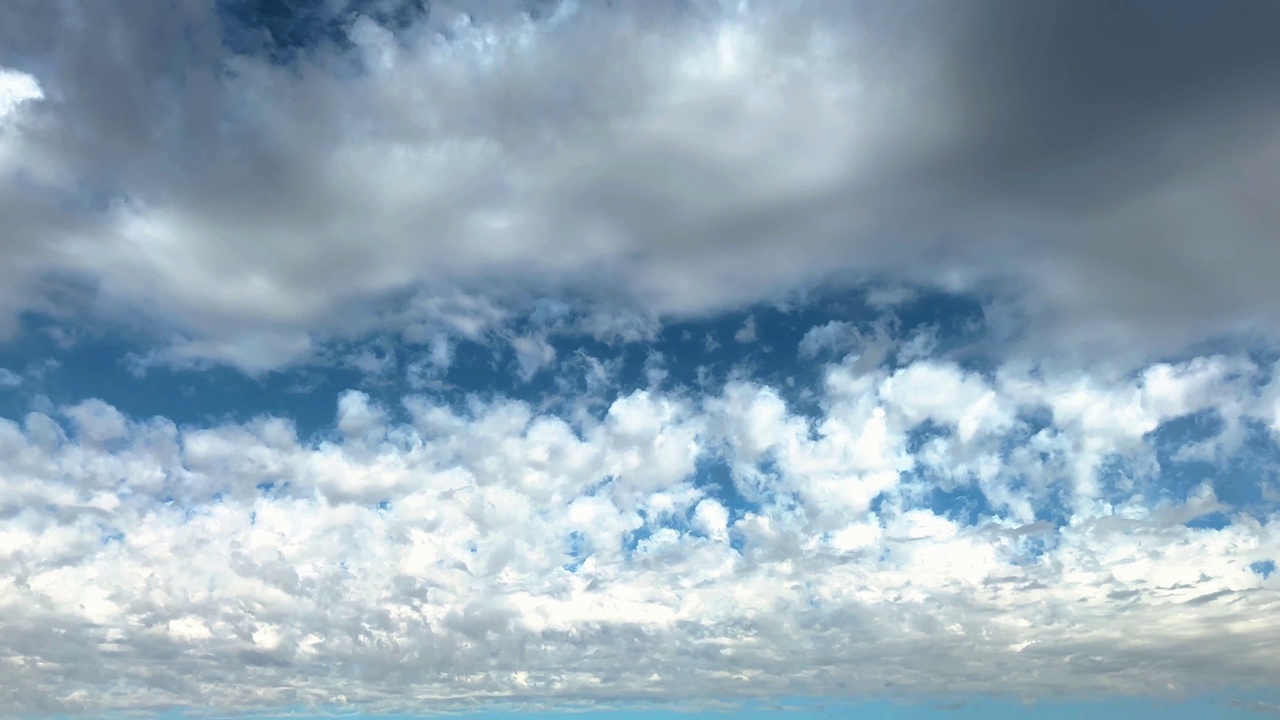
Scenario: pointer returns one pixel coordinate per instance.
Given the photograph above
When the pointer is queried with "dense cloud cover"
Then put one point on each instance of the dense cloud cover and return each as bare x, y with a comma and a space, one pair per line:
551, 248
243, 195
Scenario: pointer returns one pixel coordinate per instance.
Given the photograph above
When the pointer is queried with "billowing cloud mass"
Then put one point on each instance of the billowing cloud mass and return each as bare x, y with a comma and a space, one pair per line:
1109, 166
695, 352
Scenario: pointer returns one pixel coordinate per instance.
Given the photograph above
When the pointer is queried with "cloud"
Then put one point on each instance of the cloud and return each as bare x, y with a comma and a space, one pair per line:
97, 422
1257, 706
917, 510
246, 207
17, 88
490, 549
532, 354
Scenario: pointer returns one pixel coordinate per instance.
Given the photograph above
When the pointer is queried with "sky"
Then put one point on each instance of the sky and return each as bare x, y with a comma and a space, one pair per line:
639, 360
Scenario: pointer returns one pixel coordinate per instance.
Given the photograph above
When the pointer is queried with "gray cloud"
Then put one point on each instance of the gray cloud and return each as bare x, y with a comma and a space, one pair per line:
1108, 165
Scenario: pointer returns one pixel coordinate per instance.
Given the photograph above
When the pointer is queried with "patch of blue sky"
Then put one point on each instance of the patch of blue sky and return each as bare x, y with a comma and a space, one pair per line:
1236, 476
1030, 422
637, 543
1119, 477
98, 366
1209, 521
764, 342
1170, 440
577, 551
964, 503
1054, 506
1031, 547
955, 327
758, 485
1238, 481
481, 370
714, 477
923, 433
957, 496
284, 30
274, 488
656, 525
67, 364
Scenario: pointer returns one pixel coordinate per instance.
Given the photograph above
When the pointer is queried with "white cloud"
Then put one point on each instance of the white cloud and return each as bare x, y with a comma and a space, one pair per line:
533, 353
866, 347
503, 552
97, 422
357, 417
833, 336
712, 518
746, 333
379, 361
9, 378
655, 372
430, 368
16, 88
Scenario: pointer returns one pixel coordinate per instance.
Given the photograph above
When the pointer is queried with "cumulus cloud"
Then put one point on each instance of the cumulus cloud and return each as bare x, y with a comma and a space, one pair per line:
237, 203
496, 551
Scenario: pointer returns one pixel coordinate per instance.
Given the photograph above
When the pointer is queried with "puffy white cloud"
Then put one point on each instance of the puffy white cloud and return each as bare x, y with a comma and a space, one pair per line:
498, 551
97, 422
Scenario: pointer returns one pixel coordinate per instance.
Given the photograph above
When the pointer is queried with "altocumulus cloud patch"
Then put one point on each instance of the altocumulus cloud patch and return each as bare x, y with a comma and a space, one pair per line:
399, 356
499, 551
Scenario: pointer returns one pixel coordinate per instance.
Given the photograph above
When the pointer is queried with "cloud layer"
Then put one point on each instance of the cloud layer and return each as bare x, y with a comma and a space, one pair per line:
238, 192
673, 547
698, 351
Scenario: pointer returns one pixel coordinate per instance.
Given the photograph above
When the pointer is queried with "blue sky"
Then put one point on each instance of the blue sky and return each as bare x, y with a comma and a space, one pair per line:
505, 359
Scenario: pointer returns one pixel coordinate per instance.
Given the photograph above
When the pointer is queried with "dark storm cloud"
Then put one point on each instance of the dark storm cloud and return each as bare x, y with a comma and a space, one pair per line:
1133, 143
1072, 102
